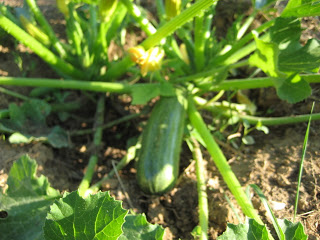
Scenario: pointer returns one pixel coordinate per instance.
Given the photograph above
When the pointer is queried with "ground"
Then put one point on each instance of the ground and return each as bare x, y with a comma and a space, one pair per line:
272, 162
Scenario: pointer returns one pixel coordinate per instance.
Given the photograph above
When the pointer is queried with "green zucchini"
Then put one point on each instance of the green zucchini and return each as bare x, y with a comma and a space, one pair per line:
159, 156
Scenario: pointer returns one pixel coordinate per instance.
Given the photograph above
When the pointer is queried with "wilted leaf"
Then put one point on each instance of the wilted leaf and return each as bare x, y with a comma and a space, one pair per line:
137, 227
97, 216
26, 202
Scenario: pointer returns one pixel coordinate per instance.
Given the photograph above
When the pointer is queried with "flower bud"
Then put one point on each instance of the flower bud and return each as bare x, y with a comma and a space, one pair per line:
63, 6
106, 9
34, 31
172, 8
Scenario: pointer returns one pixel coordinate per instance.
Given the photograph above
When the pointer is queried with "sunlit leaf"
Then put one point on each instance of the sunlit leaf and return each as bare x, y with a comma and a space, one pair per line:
97, 216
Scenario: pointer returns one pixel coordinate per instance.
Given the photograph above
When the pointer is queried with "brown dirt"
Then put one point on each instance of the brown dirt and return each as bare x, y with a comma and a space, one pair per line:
272, 162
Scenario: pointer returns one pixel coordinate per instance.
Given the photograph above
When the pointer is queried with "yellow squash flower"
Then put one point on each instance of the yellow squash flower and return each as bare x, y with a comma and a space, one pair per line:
149, 61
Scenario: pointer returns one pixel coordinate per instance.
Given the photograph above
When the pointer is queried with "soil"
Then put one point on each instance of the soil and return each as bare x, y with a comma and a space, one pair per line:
272, 162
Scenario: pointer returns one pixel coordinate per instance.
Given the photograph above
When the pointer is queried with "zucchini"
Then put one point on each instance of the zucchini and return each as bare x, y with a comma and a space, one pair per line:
159, 156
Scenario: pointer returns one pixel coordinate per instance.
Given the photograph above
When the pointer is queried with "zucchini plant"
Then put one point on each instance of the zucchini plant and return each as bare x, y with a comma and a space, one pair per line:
180, 53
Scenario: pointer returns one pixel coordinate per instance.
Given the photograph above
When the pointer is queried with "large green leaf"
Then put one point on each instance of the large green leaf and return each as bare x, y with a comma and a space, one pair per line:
283, 58
137, 227
249, 231
302, 8
26, 202
28, 123
98, 216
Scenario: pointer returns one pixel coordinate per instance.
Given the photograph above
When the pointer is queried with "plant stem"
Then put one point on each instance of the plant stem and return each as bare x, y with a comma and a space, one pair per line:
202, 189
14, 94
199, 41
85, 183
46, 26
69, 84
221, 162
39, 49
261, 82
229, 110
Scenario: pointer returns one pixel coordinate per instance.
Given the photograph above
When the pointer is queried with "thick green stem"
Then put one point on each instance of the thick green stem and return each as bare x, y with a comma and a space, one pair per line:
85, 183
68, 84
39, 49
199, 41
221, 162
202, 189
46, 26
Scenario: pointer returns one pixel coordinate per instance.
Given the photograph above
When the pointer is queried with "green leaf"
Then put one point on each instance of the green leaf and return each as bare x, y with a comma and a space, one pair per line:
292, 231
137, 227
293, 89
249, 231
28, 123
26, 201
144, 93
98, 216
301, 8
283, 57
